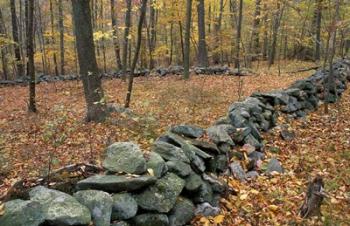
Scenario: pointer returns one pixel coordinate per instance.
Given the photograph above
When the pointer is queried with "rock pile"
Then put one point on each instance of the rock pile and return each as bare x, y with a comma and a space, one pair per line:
178, 178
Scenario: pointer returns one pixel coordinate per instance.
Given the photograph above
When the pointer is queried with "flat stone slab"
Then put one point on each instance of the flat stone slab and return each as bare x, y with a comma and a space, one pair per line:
113, 183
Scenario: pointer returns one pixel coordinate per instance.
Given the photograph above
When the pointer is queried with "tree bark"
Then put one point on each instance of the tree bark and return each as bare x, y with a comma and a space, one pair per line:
53, 42
126, 37
318, 15
20, 69
30, 53
187, 39
61, 30
152, 36
137, 52
217, 29
115, 36
276, 25
3, 51
238, 36
313, 199
94, 96
202, 45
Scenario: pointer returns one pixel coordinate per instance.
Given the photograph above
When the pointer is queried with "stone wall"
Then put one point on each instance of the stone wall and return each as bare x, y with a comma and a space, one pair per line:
177, 179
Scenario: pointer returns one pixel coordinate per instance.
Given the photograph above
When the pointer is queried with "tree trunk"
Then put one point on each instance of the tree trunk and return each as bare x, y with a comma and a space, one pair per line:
276, 24
53, 42
217, 29
61, 29
94, 96
187, 39
126, 37
30, 54
318, 15
313, 199
137, 52
202, 45
238, 37
20, 69
115, 36
152, 36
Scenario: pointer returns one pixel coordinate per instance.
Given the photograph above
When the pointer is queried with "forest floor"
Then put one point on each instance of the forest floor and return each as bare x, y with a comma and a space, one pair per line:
58, 132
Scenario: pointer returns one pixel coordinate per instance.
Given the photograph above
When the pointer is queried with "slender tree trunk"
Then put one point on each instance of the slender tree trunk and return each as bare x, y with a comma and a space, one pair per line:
20, 69
53, 42
30, 53
182, 42
202, 45
126, 37
94, 96
137, 52
318, 30
217, 29
61, 29
152, 36
171, 43
238, 37
115, 36
187, 39
3, 51
42, 41
276, 24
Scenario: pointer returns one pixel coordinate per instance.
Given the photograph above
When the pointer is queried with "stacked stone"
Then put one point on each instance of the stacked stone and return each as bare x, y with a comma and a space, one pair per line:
178, 178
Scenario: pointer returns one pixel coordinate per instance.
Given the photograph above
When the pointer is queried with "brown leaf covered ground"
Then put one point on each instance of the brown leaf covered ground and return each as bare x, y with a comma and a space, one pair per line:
58, 131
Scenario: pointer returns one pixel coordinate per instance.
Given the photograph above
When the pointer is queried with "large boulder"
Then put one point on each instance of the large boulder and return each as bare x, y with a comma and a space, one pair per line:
113, 183
188, 131
124, 157
124, 206
182, 213
99, 204
150, 219
22, 213
60, 208
162, 195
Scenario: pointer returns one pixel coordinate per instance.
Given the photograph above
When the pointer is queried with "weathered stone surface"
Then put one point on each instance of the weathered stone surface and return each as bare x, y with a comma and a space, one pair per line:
221, 134
204, 193
209, 148
193, 182
99, 204
218, 164
179, 168
256, 155
188, 131
124, 157
182, 213
237, 120
157, 164
162, 195
124, 206
22, 213
217, 185
252, 175
274, 166
250, 139
198, 164
60, 208
240, 133
170, 152
120, 223
237, 171
287, 134
151, 219
205, 209
113, 183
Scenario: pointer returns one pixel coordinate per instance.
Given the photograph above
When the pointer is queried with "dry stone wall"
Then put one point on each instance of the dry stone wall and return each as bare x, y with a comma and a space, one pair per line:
178, 178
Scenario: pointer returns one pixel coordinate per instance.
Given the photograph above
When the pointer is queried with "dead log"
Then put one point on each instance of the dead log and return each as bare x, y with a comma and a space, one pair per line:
313, 199
303, 70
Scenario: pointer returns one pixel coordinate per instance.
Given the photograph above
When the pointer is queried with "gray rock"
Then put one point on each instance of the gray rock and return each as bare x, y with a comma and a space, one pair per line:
188, 131
218, 164
287, 135
256, 155
157, 164
179, 168
170, 152
221, 134
22, 213
237, 171
205, 209
162, 195
217, 185
124, 157
182, 213
113, 183
209, 148
193, 182
120, 223
240, 133
60, 208
198, 164
204, 193
237, 120
274, 166
151, 219
99, 204
124, 206
252, 175
250, 139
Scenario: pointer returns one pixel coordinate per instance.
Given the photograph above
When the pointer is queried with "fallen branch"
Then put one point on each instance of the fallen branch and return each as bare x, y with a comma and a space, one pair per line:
303, 70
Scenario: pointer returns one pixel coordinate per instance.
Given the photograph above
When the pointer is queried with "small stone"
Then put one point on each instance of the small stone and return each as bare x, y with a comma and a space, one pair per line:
179, 168
237, 171
198, 164
252, 175
99, 204
240, 134
256, 155
157, 164
162, 195
274, 166
182, 213
124, 157
124, 206
188, 131
113, 183
287, 135
150, 219
204, 194
217, 185
205, 209
193, 182
120, 223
